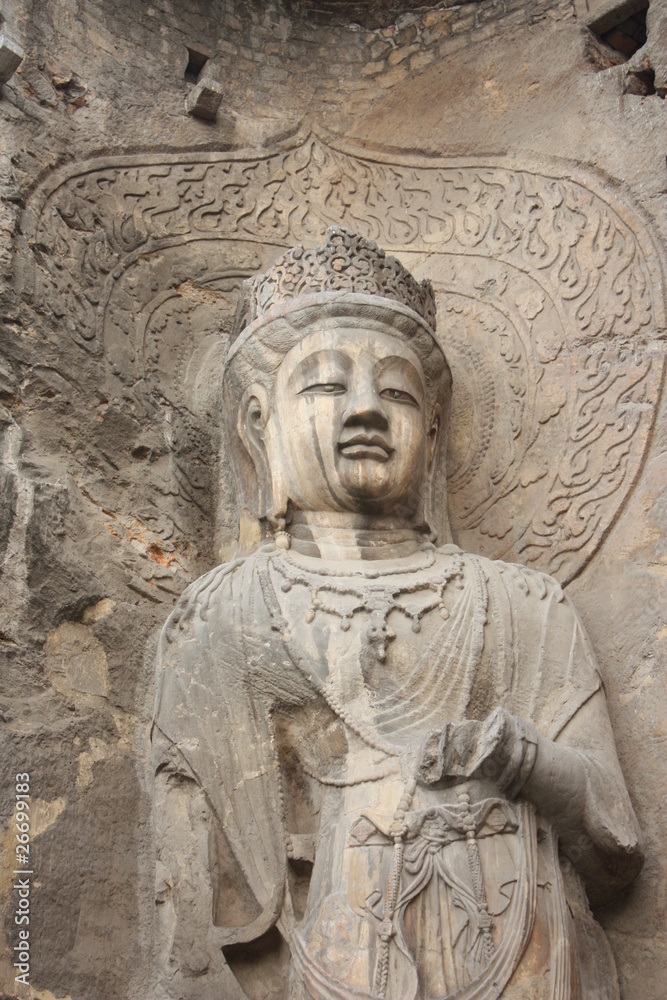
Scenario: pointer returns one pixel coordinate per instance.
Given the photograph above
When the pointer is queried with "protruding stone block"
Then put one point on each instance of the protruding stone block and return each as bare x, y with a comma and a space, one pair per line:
11, 57
204, 100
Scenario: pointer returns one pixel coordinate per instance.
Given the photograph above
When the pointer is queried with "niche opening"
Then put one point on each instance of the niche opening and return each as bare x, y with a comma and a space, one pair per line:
196, 62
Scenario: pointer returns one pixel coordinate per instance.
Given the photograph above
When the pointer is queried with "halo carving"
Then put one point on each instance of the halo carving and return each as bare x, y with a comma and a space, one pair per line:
549, 291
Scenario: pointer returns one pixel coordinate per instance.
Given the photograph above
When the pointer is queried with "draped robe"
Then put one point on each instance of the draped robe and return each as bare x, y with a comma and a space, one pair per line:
302, 742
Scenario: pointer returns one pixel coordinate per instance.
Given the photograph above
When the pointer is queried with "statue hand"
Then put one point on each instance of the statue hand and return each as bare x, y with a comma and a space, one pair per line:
500, 749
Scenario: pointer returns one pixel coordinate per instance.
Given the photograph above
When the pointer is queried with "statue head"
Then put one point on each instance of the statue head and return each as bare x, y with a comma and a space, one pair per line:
336, 386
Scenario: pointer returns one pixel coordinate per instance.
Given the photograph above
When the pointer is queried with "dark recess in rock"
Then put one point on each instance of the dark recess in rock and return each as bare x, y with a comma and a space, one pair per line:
196, 62
629, 35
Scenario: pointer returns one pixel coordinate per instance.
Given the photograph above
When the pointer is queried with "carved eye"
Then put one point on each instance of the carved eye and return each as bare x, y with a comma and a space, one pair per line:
399, 396
324, 389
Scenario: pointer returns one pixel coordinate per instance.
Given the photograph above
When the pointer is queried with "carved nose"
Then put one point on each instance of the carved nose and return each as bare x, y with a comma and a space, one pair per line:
366, 410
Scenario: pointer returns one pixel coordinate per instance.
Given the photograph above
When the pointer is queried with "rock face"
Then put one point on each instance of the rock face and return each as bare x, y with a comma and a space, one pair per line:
505, 152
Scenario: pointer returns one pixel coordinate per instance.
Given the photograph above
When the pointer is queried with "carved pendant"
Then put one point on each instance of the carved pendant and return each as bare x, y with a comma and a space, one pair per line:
376, 599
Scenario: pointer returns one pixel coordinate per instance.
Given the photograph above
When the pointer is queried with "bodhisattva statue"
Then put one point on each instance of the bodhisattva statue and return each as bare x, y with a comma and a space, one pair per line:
388, 759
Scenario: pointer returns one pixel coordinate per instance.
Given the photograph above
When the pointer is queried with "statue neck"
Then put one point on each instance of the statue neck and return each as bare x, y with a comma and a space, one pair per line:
353, 536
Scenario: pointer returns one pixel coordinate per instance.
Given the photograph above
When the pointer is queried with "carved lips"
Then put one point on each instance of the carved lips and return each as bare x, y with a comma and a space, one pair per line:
366, 446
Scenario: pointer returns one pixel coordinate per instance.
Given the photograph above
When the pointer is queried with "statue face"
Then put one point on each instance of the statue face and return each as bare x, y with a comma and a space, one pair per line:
348, 428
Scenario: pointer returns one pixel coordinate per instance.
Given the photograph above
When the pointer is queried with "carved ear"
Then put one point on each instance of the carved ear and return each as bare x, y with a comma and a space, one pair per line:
252, 426
251, 421
435, 487
434, 438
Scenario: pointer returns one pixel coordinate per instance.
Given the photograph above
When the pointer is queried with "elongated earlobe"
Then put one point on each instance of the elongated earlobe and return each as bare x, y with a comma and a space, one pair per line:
434, 438
435, 488
254, 431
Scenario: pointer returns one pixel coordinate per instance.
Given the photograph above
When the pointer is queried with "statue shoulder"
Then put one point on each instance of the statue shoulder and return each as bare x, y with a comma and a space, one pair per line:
205, 593
530, 582
518, 579
201, 646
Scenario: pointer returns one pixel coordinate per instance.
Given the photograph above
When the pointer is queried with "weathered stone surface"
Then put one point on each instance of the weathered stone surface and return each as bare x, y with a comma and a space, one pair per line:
120, 261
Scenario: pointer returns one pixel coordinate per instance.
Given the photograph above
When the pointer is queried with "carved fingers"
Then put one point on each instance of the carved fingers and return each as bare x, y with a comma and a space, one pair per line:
500, 749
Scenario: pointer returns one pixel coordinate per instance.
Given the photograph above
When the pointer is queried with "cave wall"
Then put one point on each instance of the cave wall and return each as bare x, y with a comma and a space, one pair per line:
112, 492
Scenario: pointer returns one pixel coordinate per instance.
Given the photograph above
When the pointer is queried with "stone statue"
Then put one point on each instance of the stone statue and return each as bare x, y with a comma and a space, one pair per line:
384, 767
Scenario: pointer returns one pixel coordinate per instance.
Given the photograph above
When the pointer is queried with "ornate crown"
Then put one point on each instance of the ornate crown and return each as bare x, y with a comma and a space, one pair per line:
345, 262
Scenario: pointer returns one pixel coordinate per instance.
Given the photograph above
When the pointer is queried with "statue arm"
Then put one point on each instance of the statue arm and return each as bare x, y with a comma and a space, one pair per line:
188, 958
576, 783
221, 857
562, 757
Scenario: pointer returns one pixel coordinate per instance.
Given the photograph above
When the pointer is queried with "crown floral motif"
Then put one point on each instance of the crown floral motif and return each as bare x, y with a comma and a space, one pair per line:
345, 262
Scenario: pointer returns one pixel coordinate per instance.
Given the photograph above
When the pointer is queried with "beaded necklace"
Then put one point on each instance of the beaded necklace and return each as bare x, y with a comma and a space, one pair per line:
377, 599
